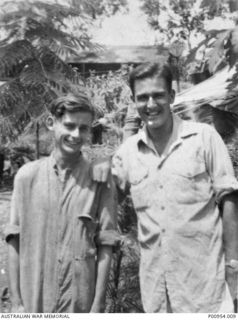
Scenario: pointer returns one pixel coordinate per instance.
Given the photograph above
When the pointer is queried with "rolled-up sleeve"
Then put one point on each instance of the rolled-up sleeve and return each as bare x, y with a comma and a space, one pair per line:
219, 166
107, 233
13, 227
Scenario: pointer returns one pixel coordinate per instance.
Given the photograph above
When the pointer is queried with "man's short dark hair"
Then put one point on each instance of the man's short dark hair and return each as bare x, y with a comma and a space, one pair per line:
151, 70
71, 103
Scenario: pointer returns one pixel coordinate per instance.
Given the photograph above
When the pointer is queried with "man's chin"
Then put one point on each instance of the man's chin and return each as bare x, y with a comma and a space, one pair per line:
153, 124
71, 151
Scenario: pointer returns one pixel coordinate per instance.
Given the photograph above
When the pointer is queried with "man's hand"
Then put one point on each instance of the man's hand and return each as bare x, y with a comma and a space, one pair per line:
232, 278
100, 169
17, 308
97, 308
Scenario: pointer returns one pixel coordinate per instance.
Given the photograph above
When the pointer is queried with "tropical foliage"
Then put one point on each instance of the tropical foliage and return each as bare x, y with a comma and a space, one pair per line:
180, 19
38, 36
181, 23
218, 50
98, 8
32, 52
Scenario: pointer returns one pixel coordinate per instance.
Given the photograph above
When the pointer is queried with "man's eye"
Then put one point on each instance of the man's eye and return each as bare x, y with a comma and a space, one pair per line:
84, 129
142, 98
157, 96
69, 126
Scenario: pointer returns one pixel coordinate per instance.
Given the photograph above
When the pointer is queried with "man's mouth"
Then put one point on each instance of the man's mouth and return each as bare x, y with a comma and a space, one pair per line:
72, 144
153, 114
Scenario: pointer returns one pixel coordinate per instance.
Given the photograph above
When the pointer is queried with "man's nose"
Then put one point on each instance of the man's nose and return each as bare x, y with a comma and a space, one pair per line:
151, 102
75, 133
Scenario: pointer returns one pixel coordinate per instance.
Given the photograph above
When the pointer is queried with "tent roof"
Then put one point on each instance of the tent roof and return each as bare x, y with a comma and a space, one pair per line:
122, 54
219, 91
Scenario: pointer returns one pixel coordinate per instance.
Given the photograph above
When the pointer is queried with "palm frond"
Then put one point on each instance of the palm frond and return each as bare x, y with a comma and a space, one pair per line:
46, 22
53, 63
12, 10
49, 70
57, 11
45, 31
11, 96
36, 43
14, 56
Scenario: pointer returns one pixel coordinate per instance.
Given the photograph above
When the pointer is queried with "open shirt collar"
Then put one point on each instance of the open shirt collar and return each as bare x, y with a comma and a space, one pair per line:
181, 130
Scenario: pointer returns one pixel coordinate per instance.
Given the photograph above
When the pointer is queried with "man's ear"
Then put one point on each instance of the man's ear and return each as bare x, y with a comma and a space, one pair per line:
172, 96
50, 121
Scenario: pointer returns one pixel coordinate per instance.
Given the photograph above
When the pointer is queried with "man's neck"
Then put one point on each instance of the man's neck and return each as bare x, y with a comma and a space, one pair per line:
65, 162
160, 136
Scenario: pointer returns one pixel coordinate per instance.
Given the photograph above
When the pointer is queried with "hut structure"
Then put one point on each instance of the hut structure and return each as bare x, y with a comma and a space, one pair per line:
111, 58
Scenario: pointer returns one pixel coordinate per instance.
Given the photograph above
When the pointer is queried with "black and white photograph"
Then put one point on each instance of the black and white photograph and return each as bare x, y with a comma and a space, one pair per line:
119, 158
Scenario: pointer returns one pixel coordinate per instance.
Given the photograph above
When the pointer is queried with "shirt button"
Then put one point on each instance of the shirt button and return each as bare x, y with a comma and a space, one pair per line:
163, 230
161, 187
162, 208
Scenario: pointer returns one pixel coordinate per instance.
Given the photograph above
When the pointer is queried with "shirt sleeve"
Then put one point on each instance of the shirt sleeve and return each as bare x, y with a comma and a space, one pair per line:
107, 232
219, 165
13, 227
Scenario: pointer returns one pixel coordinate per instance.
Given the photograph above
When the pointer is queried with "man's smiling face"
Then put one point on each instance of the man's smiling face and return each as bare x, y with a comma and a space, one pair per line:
71, 131
153, 99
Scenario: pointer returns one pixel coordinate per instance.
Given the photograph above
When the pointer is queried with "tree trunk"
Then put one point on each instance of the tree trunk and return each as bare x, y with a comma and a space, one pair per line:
178, 84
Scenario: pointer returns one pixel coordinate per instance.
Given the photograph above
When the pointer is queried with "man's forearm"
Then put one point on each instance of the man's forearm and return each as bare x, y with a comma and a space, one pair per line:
230, 226
14, 271
103, 268
230, 237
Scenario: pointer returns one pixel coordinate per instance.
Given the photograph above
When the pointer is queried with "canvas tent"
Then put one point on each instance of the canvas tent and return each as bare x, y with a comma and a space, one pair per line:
219, 91
214, 101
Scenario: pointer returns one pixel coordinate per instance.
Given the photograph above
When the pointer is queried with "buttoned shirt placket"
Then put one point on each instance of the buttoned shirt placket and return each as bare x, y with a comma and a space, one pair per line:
156, 163
167, 258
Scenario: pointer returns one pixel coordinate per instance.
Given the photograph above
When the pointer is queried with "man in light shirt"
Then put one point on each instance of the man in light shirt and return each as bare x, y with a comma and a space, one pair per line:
184, 192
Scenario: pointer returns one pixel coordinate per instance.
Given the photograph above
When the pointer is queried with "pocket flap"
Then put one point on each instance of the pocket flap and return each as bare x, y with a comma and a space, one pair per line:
190, 168
139, 174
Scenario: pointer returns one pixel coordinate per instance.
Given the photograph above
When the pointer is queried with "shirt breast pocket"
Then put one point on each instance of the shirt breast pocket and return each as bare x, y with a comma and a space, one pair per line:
139, 182
85, 231
191, 181
190, 168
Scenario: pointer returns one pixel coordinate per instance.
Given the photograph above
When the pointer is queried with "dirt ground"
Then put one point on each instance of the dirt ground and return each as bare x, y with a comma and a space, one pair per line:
5, 195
